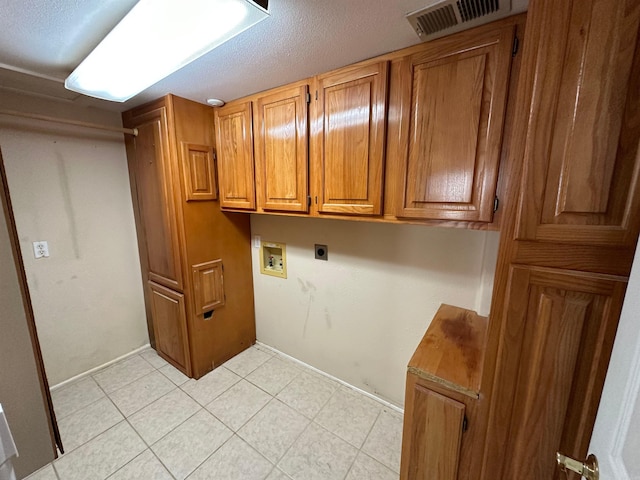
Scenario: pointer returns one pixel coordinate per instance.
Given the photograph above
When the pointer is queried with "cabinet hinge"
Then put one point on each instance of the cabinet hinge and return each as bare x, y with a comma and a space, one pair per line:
516, 46
465, 424
308, 98
496, 204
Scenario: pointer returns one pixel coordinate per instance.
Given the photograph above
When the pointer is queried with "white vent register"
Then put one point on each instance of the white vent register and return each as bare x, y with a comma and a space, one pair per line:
452, 16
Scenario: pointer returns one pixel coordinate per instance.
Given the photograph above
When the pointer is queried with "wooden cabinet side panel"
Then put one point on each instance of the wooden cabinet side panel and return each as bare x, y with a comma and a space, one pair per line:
582, 159
433, 435
349, 150
282, 153
234, 142
170, 326
211, 234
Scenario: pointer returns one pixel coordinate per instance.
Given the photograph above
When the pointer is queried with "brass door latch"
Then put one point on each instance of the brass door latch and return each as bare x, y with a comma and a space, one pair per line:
588, 469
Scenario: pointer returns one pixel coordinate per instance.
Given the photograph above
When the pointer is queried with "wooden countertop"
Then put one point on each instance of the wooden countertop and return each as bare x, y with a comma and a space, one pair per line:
451, 353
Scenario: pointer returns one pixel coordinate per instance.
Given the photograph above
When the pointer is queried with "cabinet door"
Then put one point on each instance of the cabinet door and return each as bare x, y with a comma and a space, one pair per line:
198, 172
170, 326
281, 142
552, 362
432, 434
234, 141
580, 186
454, 93
154, 186
349, 143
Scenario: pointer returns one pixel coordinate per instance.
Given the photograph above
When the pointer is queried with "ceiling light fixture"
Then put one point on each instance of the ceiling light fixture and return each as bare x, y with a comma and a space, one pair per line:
156, 38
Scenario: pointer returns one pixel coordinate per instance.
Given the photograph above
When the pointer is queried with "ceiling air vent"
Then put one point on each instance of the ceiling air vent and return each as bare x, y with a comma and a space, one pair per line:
453, 16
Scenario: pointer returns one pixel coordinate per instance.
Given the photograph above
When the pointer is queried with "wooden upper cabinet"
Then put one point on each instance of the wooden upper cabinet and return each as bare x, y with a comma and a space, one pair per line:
453, 94
349, 139
282, 151
234, 140
154, 187
581, 152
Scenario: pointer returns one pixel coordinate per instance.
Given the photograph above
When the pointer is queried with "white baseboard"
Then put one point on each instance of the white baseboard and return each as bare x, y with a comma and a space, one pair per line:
335, 379
100, 367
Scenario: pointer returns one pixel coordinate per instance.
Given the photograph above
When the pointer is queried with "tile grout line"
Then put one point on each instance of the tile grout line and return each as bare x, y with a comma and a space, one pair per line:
104, 431
212, 453
126, 419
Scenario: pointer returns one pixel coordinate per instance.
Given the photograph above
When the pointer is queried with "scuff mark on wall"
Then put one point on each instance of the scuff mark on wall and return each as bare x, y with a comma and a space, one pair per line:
327, 318
310, 288
68, 205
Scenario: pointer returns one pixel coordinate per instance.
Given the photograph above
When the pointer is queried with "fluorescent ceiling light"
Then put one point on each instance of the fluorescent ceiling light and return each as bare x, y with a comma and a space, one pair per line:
156, 38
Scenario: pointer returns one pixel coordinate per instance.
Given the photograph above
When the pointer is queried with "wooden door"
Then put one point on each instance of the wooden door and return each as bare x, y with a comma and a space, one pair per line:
556, 351
349, 140
154, 189
582, 141
454, 93
282, 150
170, 326
234, 141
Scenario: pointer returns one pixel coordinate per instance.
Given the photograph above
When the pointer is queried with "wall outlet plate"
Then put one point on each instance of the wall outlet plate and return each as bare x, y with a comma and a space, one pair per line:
322, 252
40, 249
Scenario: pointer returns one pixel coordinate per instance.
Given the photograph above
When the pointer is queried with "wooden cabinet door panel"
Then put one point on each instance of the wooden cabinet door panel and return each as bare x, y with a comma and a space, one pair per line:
435, 434
208, 286
198, 172
234, 141
282, 144
170, 326
351, 118
456, 98
553, 356
154, 185
582, 143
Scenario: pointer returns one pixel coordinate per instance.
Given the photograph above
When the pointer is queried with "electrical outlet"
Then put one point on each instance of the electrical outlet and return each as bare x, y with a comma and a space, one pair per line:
40, 249
322, 252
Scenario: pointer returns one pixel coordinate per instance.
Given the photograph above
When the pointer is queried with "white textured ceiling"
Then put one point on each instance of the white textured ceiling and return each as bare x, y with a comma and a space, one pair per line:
41, 42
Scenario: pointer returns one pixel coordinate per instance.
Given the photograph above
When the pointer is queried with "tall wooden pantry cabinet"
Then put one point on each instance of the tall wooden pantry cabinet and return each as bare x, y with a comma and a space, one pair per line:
196, 260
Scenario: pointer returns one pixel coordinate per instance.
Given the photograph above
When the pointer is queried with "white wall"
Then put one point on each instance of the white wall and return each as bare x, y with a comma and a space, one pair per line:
360, 315
616, 435
70, 187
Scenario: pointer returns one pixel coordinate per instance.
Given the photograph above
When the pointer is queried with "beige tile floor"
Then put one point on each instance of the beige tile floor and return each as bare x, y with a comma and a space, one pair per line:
259, 416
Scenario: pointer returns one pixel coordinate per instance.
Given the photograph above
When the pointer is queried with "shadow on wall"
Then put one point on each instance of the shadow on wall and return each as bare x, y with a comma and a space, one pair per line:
380, 246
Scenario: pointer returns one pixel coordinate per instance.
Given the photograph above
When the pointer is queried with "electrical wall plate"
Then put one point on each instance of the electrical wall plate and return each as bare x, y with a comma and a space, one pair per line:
273, 259
322, 252
40, 249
